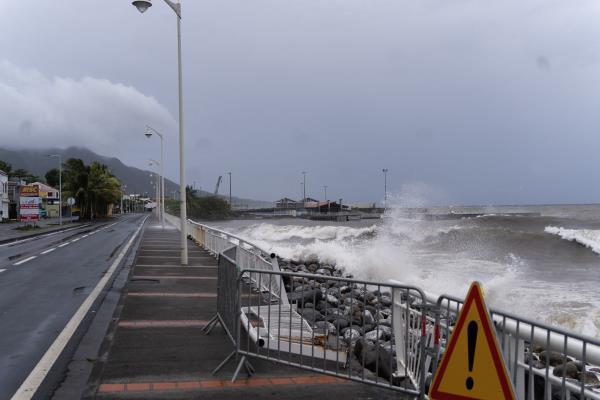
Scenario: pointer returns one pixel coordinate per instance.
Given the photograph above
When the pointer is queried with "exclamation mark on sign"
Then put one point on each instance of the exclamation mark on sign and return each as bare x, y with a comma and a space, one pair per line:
472, 343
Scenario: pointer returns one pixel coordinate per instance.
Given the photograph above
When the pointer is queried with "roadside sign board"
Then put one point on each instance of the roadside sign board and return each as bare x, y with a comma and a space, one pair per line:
472, 366
29, 203
71, 201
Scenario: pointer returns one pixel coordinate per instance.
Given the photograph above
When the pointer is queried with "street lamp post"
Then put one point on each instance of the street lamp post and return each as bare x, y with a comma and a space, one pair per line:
304, 187
142, 6
59, 186
158, 181
230, 203
148, 133
385, 171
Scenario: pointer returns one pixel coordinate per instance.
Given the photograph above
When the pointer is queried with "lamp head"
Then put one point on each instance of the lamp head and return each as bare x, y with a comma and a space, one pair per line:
148, 134
142, 5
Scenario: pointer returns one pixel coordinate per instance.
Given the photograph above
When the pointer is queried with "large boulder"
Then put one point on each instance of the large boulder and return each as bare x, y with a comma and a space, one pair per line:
375, 358
552, 358
308, 296
312, 315
569, 370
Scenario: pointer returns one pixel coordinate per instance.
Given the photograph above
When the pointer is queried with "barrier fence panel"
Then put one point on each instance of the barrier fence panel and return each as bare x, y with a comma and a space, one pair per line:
543, 362
336, 326
227, 306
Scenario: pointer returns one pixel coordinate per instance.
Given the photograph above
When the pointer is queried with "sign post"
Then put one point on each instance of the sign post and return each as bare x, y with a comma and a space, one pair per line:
29, 203
472, 366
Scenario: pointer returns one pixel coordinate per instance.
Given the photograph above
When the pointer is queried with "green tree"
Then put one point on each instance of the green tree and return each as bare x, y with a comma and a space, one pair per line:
6, 167
94, 187
24, 175
52, 177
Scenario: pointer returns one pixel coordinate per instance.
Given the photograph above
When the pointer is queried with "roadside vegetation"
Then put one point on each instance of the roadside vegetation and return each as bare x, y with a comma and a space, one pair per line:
94, 188
203, 208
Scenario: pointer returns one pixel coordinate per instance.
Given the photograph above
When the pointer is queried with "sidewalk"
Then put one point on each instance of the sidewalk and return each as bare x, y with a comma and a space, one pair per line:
154, 347
9, 232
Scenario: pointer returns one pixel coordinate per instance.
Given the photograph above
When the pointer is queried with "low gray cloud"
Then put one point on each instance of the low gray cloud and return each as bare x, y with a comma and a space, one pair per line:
486, 102
38, 111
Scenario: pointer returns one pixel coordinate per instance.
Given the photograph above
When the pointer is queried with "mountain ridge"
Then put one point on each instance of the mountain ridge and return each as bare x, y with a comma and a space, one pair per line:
137, 180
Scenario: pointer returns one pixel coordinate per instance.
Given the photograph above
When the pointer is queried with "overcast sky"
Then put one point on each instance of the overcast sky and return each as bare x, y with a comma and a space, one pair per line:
465, 102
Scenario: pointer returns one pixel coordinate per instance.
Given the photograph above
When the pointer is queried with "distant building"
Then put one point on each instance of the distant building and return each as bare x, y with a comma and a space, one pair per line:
324, 207
4, 201
49, 198
287, 203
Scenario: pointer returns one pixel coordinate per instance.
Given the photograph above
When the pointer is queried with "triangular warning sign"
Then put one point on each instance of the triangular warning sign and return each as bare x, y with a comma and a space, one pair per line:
472, 366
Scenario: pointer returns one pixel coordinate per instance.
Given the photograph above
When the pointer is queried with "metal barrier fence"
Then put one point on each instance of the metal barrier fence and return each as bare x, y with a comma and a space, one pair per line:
374, 333
544, 362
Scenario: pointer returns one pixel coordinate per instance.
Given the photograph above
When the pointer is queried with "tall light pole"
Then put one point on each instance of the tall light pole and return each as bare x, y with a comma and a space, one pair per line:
59, 186
142, 6
157, 181
304, 187
325, 189
385, 171
230, 203
149, 131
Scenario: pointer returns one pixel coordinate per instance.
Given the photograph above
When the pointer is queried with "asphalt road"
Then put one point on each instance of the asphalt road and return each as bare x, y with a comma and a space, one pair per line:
42, 284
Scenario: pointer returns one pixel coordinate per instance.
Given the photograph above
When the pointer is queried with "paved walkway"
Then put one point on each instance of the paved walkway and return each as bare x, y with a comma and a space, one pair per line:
154, 347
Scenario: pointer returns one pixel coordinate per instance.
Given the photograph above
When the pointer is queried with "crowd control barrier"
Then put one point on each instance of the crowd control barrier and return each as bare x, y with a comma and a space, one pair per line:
362, 331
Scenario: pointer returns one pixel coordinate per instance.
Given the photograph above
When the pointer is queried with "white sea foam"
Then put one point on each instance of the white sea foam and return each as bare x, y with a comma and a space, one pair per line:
398, 250
588, 237
278, 233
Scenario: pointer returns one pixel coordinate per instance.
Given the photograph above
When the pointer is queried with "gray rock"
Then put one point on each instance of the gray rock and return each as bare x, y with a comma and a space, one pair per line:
351, 335
589, 378
554, 358
339, 322
308, 296
569, 369
368, 318
312, 316
323, 271
327, 327
385, 301
374, 335
332, 300
313, 268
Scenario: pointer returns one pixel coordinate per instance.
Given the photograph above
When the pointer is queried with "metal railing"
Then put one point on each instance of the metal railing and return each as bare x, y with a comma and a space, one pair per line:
533, 352
347, 328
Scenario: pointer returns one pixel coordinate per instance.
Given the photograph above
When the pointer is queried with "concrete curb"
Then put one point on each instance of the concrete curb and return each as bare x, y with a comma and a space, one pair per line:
33, 235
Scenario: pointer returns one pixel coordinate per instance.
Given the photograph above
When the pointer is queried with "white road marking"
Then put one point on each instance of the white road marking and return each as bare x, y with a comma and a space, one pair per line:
75, 240
38, 374
2, 270
42, 236
48, 251
84, 236
25, 260
64, 244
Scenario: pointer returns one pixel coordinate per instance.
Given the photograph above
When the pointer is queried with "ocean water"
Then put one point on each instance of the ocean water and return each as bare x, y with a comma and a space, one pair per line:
544, 267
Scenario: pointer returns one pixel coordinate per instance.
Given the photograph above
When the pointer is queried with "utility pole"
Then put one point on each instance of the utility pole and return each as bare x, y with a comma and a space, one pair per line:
230, 203
385, 171
304, 187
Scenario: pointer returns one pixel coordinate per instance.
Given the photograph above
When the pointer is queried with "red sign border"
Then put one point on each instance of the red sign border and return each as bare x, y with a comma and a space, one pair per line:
474, 295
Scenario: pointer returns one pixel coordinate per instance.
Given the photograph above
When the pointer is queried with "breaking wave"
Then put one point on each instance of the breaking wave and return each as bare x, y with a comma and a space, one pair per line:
280, 233
589, 238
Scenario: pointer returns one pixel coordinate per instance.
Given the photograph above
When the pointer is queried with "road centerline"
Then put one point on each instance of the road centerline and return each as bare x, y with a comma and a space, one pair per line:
48, 251
25, 260
37, 375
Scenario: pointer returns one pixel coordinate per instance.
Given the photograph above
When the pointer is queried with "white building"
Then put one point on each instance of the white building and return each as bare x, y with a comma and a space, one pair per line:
4, 202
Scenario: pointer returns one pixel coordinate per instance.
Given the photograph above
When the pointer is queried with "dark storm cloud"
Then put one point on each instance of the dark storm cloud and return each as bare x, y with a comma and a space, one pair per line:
481, 102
